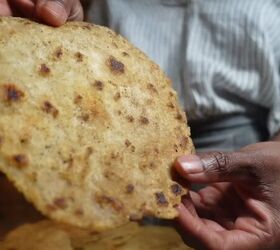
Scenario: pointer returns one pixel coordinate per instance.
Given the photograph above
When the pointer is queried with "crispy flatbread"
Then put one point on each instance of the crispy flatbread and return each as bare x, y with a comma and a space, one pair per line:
89, 126
53, 236
40, 236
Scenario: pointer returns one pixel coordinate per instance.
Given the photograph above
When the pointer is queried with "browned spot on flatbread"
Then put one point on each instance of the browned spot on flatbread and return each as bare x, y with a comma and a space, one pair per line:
60, 203
144, 120
161, 199
104, 200
98, 85
44, 70
79, 56
129, 188
130, 118
78, 99
12, 93
79, 212
1, 140
115, 66
125, 53
176, 189
58, 53
152, 88
50, 109
117, 96
170, 105
184, 142
127, 143
20, 161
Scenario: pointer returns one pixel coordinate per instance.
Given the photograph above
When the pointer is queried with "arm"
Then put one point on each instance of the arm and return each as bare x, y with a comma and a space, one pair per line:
52, 12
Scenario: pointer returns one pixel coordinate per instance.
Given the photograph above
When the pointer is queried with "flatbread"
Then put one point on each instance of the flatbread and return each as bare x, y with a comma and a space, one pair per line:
148, 238
89, 126
53, 236
40, 236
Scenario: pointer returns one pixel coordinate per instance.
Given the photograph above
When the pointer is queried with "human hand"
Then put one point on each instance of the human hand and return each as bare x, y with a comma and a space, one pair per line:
52, 12
240, 206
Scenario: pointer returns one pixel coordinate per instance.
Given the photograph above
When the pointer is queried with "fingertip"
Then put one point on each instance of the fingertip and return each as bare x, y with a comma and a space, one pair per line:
52, 13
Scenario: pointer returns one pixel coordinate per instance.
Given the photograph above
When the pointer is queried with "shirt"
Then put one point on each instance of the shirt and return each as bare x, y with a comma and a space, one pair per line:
222, 55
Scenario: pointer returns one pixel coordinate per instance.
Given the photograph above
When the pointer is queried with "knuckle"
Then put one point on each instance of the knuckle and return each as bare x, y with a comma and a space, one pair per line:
217, 163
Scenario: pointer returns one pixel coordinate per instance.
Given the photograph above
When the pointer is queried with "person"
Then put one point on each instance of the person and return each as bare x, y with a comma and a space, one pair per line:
223, 57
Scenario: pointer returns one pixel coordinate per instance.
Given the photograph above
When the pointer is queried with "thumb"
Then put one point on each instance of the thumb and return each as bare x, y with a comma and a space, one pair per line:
57, 12
217, 167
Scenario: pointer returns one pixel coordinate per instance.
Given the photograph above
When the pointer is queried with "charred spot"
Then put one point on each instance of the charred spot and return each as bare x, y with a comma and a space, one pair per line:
117, 96
87, 27
79, 212
119, 112
125, 53
132, 148
104, 200
127, 143
44, 70
115, 155
12, 93
33, 177
129, 189
50, 109
85, 117
161, 199
152, 165
176, 189
115, 66
143, 120
184, 141
58, 53
98, 85
20, 160
50, 207
130, 118
175, 148
78, 99
152, 88
79, 56
170, 105
23, 140
60, 203
171, 94
179, 117
115, 45
69, 162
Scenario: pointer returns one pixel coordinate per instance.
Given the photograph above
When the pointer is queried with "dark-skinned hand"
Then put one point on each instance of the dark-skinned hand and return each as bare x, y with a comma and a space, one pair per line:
239, 209
51, 12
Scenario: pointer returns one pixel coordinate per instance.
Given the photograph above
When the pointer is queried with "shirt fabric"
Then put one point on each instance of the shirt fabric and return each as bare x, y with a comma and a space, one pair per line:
223, 56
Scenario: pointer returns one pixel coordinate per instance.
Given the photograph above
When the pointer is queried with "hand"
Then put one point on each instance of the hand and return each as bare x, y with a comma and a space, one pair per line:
240, 206
52, 12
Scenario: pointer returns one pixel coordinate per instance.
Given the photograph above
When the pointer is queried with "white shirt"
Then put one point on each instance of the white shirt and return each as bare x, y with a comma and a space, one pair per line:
222, 55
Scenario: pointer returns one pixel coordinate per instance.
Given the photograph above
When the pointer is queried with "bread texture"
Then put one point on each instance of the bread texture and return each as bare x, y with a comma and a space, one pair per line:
48, 235
89, 125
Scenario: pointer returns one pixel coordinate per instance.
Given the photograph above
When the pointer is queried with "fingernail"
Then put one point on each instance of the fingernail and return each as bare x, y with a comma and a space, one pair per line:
191, 164
55, 8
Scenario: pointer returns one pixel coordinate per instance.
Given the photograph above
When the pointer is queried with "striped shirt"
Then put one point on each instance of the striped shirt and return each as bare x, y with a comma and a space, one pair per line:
222, 55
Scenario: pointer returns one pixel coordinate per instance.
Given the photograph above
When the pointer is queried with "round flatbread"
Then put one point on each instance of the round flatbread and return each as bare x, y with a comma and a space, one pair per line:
89, 126
47, 235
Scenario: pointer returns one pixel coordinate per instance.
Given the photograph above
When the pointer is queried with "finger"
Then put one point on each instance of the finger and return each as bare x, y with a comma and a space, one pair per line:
5, 9
192, 227
218, 167
25, 7
57, 12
